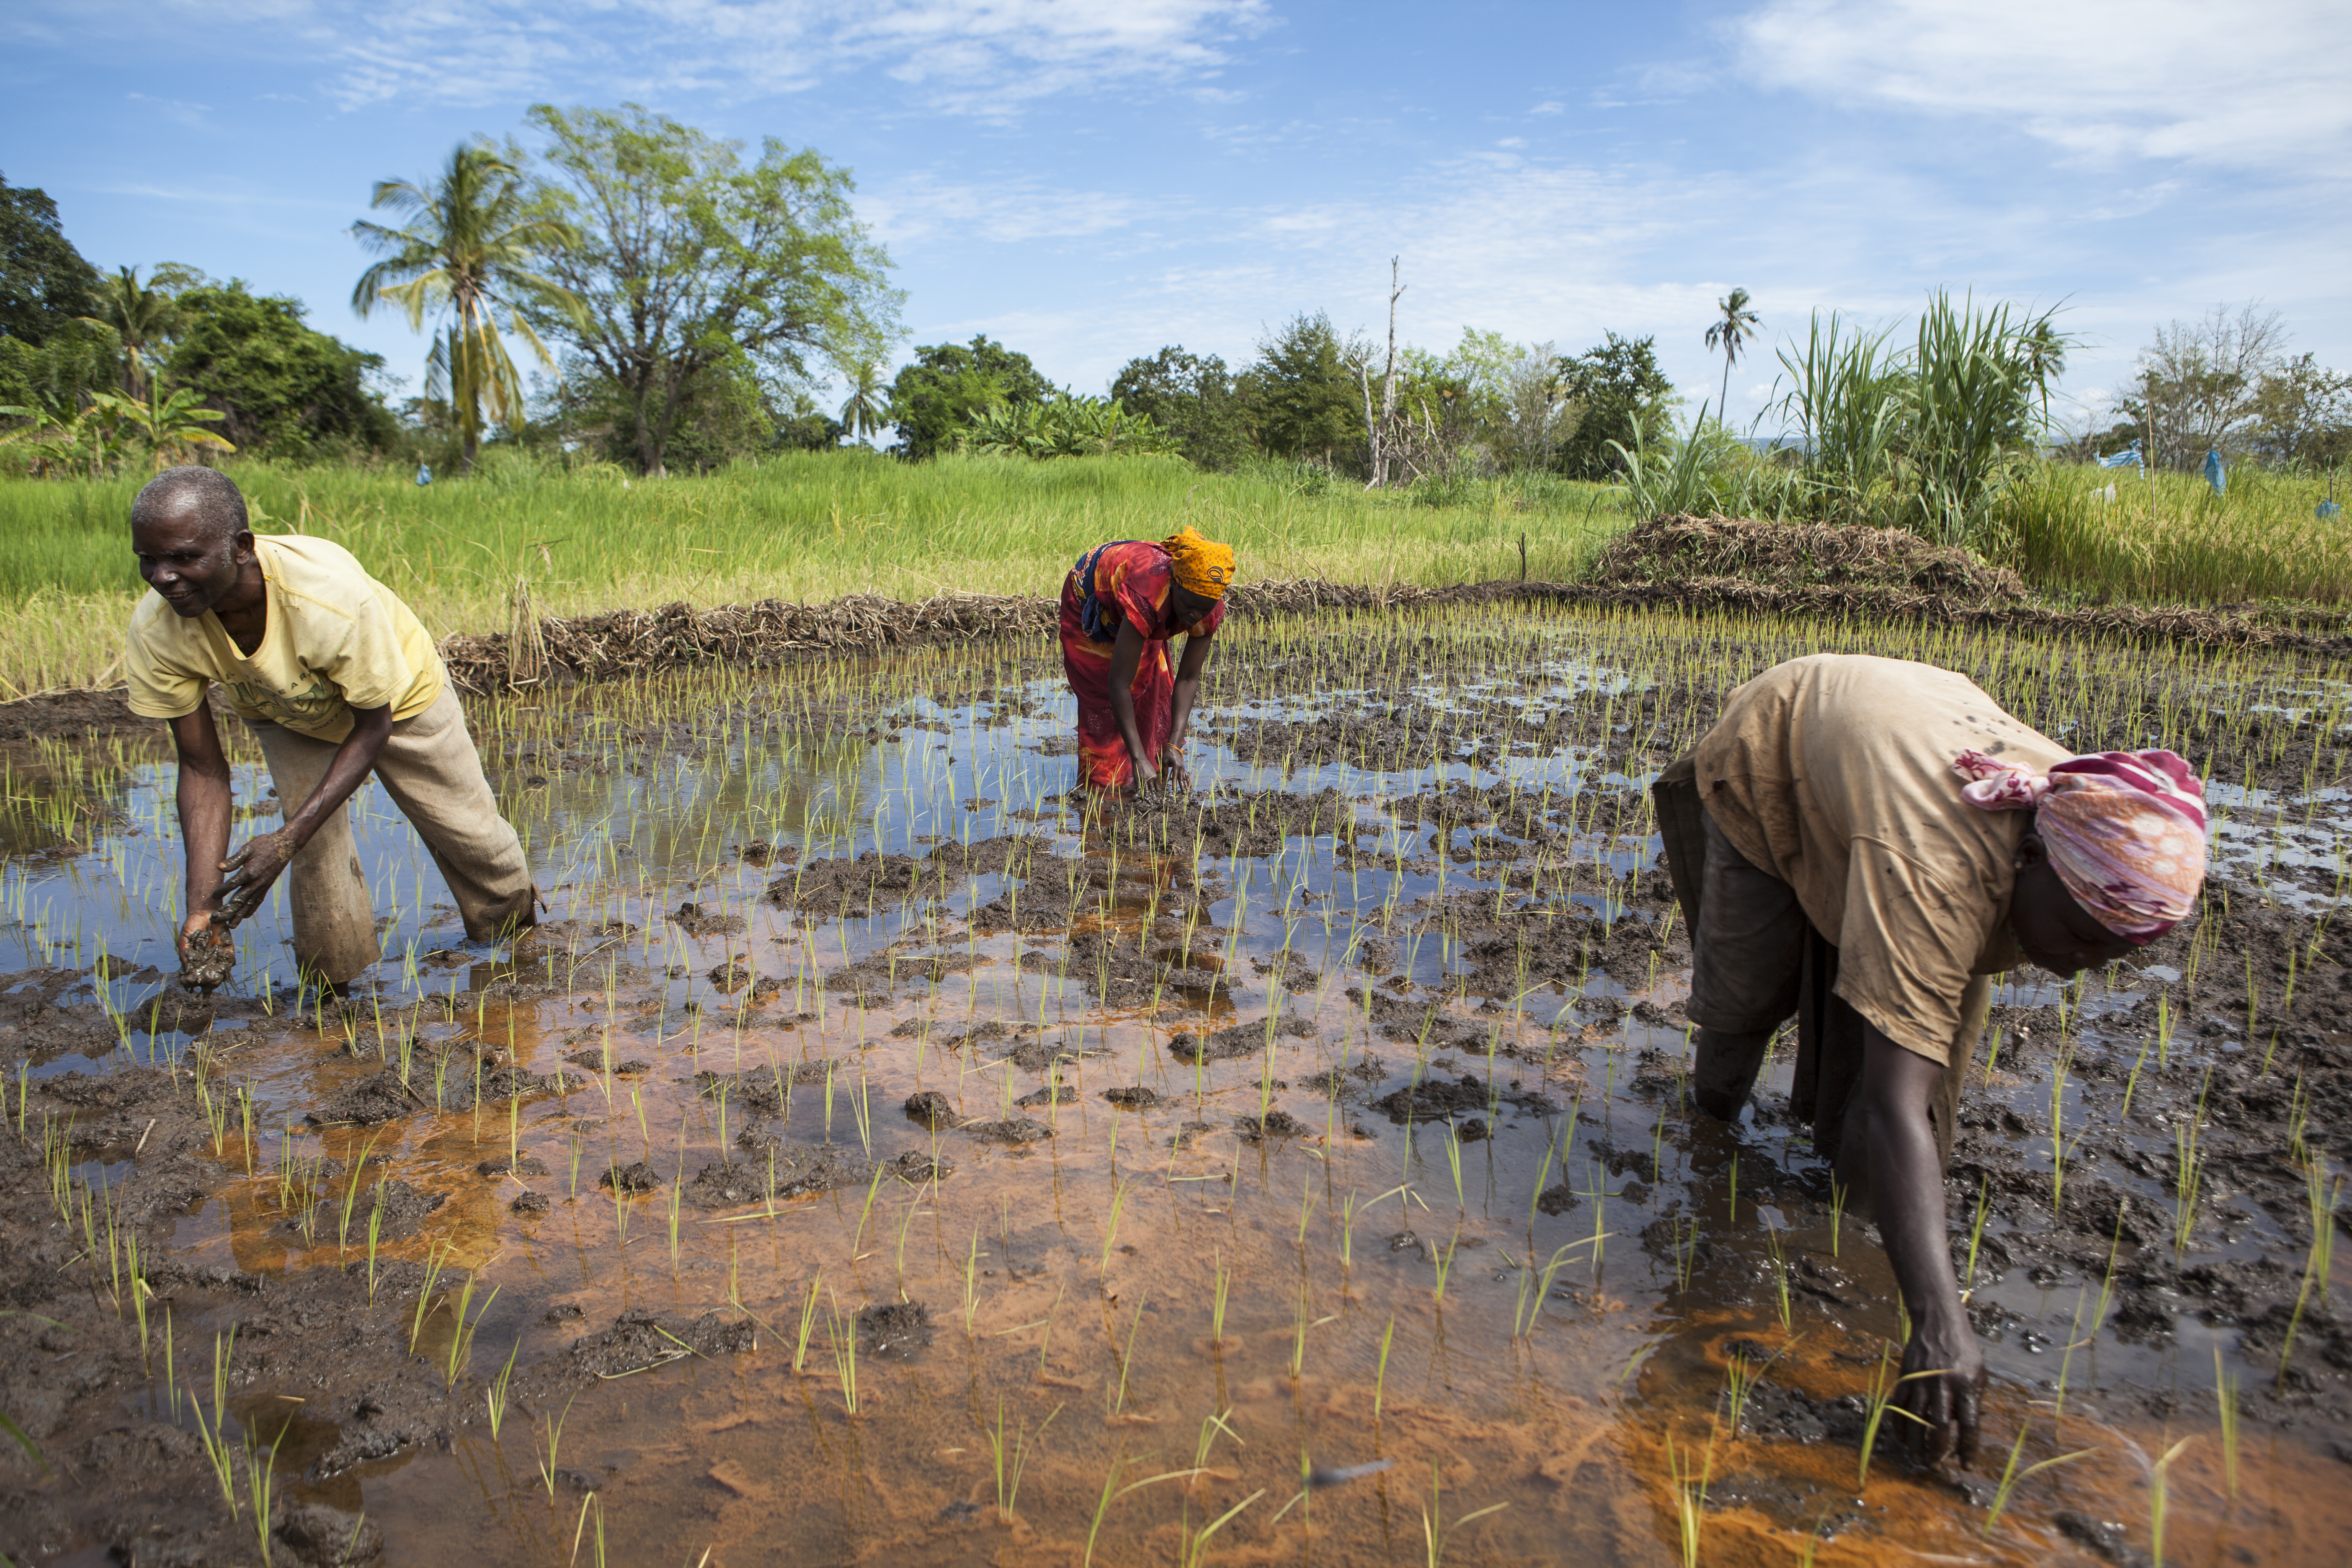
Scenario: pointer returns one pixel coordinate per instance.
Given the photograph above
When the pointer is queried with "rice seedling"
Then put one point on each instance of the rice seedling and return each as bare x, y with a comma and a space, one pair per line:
496, 1394
2158, 1486
461, 1338
1436, 1533
1689, 1480
2321, 1194
1221, 1290
1381, 1371
2010, 1476
1011, 1458
2225, 1401
841, 1337
1879, 1403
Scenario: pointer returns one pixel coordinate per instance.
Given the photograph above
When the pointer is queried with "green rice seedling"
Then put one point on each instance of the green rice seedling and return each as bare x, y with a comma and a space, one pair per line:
2164, 1030
1444, 1264
2225, 1400
1110, 1229
1380, 1375
1223, 1285
1686, 1251
260, 1478
1976, 1234
970, 1281
841, 1335
1435, 1533
1731, 1197
497, 1392
1880, 1404
2188, 1173
1454, 1162
575, 1177
808, 1319
1689, 1480
2158, 1486
2010, 1476
2320, 1194
1012, 1458
1126, 1356
1740, 1375
461, 1341
432, 1259
1780, 1278
553, 1437
217, 1453
1838, 1195
1192, 1549
1992, 1055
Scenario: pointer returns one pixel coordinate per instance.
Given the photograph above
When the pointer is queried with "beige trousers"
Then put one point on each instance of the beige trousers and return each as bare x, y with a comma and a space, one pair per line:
433, 773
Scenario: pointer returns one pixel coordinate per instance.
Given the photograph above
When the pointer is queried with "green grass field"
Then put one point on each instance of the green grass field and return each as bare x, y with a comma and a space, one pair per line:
815, 527
801, 528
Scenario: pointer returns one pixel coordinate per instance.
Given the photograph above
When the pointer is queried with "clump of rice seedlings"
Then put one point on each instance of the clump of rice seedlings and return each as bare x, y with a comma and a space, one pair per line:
1011, 1458
2188, 1171
496, 1394
2320, 1196
1688, 1478
1880, 1404
1222, 1289
551, 1437
2158, 1486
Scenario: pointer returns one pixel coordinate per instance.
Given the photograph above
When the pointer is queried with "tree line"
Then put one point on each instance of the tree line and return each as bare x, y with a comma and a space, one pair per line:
629, 289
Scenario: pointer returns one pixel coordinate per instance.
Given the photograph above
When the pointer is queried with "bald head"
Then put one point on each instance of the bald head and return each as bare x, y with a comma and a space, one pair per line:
205, 497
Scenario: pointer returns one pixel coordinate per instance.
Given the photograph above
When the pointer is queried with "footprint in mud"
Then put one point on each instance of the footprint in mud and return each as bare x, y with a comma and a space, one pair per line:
1273, 1124
1052, 1094
1133, 1096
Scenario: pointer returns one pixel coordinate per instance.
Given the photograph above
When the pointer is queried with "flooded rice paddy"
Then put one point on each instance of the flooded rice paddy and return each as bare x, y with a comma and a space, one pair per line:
879, 1156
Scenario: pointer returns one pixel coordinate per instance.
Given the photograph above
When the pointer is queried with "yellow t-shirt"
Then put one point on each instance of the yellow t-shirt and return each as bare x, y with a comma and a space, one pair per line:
336, 639
1833, 773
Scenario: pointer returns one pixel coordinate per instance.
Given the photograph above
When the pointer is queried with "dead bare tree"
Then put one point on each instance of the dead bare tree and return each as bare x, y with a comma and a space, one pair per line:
1380, 431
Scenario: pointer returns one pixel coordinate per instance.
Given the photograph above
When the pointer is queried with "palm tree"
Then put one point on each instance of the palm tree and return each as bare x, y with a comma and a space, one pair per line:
466, 248
140, 317
1730, 334
862, 414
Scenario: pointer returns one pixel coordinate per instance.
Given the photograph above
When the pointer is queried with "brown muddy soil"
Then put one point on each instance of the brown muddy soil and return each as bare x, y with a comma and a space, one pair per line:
1525, 942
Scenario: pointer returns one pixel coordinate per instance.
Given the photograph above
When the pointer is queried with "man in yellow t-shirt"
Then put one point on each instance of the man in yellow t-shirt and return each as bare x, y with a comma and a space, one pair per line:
336, 679
1864, 843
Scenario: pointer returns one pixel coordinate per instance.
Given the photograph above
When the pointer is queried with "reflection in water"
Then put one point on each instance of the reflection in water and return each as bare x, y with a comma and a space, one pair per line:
1542, 1314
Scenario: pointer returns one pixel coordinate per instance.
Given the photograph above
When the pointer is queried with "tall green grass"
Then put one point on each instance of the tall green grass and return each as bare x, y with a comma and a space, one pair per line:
2168, 537
807, 528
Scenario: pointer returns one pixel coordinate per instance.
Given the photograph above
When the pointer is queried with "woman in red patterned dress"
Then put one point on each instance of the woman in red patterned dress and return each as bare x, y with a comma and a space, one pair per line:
1120, 604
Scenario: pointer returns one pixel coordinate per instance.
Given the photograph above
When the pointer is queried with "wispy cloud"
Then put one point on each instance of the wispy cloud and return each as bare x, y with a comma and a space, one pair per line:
984, 57
2257, 84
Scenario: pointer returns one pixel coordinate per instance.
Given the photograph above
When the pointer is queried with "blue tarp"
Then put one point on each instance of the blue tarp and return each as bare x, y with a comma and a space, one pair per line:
2128, 457
2215, 474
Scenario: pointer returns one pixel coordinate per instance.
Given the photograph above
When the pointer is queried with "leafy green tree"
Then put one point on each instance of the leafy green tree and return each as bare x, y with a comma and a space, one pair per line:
686, 258
140, 317
467, 248
284, 388
1193, 400
45, 284
1734, 325
1619, 385
2303, 414
942, 394
1305, 393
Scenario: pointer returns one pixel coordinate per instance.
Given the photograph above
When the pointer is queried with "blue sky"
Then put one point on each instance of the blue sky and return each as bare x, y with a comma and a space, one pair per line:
1089, 181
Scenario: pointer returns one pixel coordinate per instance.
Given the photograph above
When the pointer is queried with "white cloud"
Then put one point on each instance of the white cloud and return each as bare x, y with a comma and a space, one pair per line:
920, 208
978, 57
2255, 84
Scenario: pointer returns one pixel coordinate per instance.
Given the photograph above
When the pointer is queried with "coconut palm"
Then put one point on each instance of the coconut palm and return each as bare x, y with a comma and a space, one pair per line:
1730, 334
467, 248
140, 317
862, 415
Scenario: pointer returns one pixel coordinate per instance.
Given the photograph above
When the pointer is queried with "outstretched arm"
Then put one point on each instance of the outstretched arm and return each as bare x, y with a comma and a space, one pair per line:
253, 868
1126, 656
1197, 648
203, 800
1890, 1144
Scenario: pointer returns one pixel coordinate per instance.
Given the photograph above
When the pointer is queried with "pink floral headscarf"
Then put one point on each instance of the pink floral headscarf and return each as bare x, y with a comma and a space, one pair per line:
2126, 830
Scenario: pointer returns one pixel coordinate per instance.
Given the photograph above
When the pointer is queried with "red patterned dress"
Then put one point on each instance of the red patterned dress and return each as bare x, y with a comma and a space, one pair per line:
1132, 583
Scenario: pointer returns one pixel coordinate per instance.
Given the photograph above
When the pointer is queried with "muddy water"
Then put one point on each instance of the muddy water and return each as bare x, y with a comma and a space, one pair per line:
1306, 1172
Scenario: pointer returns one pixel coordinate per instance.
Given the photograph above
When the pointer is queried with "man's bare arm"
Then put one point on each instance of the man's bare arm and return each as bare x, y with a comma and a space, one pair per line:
254, 867
205, 804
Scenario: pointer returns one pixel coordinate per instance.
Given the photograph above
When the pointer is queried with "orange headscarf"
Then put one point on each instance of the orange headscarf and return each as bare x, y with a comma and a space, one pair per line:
1201, 566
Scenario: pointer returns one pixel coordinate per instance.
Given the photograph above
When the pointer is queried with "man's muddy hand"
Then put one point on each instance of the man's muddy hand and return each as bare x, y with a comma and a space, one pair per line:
251, 872
1942, 1392
208, 952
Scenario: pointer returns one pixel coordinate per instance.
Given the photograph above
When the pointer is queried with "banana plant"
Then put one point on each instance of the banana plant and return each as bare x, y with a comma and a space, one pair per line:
172, 426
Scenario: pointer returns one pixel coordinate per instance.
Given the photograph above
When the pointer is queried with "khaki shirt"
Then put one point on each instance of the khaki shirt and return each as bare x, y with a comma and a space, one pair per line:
1833, 773
336, 639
